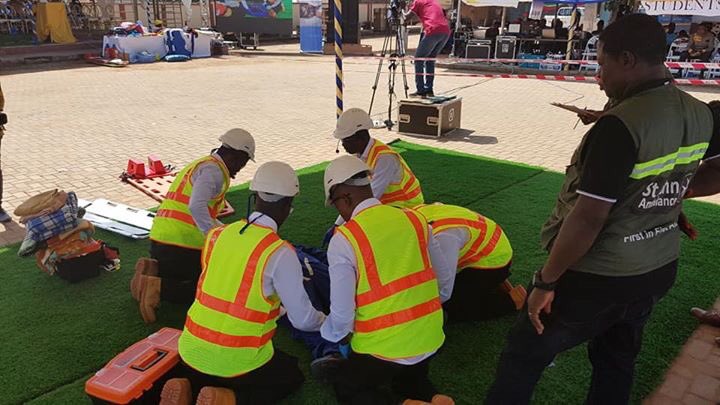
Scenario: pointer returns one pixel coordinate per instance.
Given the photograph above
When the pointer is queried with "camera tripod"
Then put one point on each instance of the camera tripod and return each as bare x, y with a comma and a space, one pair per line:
393, 46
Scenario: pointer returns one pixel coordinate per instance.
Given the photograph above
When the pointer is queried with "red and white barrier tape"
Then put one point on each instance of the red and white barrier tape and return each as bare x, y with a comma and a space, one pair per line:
569, 78
671, 65
460, 60
698, 82
559, 78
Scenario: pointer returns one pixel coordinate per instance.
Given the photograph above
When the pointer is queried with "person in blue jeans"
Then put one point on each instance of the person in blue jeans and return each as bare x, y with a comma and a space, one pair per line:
436, 32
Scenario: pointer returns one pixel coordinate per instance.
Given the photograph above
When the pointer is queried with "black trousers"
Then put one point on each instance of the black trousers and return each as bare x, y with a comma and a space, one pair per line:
477, 296
364, 379
179, 269
1, 173
269, 384
609, 312
703, 57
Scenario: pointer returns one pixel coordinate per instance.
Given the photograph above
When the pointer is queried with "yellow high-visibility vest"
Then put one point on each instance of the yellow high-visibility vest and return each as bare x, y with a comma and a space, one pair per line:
174, 224
229, 327
406, 193
488, 247
398, 311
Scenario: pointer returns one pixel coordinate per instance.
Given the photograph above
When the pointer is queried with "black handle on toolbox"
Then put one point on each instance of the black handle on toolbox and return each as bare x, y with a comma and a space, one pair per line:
144, 365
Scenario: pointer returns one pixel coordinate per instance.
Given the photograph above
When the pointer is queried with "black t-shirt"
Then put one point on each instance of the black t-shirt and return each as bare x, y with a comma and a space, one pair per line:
610, 155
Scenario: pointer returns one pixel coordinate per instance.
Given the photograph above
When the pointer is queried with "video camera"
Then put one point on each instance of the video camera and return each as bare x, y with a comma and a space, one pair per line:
395, 9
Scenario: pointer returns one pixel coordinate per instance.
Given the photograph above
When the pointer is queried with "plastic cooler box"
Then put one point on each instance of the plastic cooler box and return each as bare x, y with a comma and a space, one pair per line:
530, 56
132, 373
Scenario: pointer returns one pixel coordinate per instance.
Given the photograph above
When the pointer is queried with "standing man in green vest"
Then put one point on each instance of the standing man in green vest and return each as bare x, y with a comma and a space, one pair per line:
187, 214
613, 236
248, 272
384, 295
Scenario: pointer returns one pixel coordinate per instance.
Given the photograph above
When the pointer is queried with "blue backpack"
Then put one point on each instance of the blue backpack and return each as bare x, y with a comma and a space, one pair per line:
316, 278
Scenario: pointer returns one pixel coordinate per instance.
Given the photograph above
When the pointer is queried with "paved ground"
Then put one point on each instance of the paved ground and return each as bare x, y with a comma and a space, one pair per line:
75, 127
694, 377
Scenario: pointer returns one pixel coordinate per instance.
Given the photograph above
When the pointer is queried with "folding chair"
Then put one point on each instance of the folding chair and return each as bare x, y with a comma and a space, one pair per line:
590, 54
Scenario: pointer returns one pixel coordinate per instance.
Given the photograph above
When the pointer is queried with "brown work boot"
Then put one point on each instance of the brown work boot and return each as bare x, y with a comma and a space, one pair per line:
145, 266
176, 391
438, 399
517, 293
149, 297
215, 396
710, 317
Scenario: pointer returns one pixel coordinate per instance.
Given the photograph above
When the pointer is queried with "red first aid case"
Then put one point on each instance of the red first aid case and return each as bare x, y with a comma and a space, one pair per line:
134, 371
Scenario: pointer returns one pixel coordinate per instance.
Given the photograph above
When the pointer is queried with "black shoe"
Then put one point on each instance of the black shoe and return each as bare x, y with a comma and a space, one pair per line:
429, 93
4, 217
325, 368
417, 94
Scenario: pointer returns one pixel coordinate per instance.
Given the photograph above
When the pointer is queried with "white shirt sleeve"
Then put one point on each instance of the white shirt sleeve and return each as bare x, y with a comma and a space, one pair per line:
343, 274
285, 275
387, 170
451, 243
443, 266
207, 184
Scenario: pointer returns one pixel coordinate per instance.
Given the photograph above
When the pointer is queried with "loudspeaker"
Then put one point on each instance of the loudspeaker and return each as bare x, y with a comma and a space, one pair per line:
505, 47
477, 52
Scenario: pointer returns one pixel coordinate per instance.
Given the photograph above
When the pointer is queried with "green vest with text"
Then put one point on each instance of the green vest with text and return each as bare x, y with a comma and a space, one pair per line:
671, 131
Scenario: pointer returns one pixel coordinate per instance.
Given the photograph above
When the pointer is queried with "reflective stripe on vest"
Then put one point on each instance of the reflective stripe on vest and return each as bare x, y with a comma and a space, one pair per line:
406, 193
174, 224
229, 328
398, 311
487, 247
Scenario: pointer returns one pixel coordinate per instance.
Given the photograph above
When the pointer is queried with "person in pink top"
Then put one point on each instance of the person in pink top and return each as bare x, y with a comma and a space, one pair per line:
436, 32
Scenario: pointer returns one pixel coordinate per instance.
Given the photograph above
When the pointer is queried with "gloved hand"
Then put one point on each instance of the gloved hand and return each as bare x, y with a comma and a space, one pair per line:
328, 235
687, 228
344, 350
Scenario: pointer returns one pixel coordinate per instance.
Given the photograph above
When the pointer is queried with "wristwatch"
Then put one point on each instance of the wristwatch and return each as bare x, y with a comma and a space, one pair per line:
539, 283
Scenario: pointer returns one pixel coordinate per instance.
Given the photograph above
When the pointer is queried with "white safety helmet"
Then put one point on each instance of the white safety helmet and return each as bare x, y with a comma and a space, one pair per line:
274, 181
351, 121
341, 170
239, 139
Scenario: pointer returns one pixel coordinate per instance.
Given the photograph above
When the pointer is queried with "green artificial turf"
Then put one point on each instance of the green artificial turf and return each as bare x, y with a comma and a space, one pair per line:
56, 335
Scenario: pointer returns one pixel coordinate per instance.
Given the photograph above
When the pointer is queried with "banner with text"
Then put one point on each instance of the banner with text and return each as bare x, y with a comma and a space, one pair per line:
681, 7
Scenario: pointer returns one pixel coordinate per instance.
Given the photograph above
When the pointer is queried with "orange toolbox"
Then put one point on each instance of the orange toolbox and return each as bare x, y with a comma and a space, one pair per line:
135, 371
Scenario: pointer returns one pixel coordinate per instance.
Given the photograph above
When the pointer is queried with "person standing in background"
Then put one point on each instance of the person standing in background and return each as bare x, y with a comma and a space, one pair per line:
4, 217
436, 32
